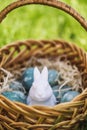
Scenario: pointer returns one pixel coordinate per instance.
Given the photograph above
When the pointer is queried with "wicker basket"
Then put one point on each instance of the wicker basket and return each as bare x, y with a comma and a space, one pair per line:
64, 116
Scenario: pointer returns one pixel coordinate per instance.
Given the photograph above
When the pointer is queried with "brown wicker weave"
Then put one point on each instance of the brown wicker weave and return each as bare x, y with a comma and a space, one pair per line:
64, 116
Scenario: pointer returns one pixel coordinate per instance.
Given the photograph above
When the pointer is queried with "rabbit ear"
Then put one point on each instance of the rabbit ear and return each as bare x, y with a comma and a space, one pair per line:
36, 73
44, 74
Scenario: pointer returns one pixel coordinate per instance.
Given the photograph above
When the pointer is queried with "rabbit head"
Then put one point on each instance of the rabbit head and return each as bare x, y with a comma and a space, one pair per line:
40, 90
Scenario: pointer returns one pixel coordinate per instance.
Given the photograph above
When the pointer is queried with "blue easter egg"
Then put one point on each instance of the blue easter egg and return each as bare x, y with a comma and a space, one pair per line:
28, 78
15, 96
17, 86
68, 96
53, 77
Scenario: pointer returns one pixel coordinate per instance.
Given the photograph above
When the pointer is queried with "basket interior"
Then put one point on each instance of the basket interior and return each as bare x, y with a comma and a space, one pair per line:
15, 57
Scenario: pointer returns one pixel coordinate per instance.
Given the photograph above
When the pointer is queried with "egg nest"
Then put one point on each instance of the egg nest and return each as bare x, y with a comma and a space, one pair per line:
69, 74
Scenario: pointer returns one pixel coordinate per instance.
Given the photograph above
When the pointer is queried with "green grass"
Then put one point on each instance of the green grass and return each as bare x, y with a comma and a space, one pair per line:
43, 22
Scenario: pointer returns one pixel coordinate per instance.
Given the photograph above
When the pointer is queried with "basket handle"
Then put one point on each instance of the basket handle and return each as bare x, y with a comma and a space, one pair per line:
52, 3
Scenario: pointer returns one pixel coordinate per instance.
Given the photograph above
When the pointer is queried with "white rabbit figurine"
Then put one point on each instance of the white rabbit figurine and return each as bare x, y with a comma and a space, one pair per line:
40, 92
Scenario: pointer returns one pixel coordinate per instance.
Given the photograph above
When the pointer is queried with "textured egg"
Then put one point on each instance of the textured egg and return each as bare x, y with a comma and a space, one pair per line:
68, 96
17, 86
53, 77
15, 96
28, 78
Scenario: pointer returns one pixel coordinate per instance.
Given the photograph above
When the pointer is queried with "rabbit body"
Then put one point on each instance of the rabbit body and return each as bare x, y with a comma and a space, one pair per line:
50, 102
41, 92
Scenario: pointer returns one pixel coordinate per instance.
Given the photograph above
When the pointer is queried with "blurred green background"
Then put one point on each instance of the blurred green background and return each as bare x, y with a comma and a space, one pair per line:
43, 22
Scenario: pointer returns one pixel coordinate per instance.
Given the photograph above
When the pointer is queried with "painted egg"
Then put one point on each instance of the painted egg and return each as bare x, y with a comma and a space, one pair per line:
53, 77
68, 96
15, 96
17, 86
28, 78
